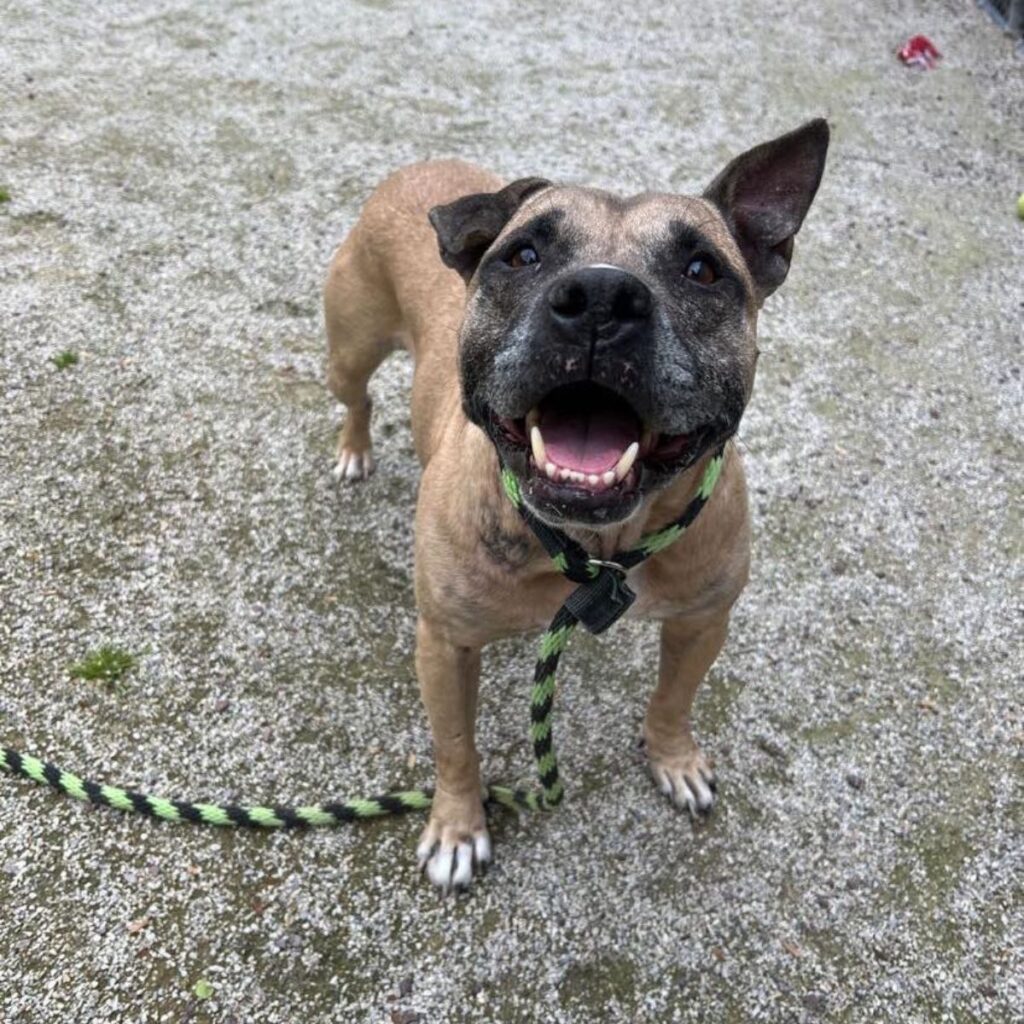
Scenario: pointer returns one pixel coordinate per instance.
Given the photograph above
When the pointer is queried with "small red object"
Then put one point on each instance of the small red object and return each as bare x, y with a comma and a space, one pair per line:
919, 52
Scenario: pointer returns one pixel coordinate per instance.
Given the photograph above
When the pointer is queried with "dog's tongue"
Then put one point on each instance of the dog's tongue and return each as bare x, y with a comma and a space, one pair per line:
585, 440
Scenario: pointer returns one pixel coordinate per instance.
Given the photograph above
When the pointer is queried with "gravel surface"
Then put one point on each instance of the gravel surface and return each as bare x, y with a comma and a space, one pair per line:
179, 174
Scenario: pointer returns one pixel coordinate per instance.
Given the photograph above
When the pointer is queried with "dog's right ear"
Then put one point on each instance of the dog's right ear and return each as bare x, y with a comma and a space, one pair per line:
467, 228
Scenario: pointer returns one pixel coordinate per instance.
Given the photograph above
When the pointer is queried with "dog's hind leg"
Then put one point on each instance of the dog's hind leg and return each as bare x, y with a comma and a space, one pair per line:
364, 325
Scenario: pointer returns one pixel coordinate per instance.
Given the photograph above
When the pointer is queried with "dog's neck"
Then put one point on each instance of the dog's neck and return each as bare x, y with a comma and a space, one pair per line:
656, 511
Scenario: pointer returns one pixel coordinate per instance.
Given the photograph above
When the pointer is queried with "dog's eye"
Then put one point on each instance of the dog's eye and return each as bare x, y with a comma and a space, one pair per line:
702, 270
524, 257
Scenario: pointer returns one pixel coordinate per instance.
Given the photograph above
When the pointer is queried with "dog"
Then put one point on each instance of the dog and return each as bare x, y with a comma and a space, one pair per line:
601, 349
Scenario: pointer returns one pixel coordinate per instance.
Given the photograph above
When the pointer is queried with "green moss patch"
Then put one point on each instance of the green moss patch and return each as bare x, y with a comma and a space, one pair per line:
65, 360
107, 664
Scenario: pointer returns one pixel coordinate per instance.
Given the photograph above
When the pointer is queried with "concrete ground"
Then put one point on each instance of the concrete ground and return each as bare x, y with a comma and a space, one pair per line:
179, 174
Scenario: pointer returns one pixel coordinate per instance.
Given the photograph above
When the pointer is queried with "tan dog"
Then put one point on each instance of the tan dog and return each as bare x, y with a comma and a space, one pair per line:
603, 347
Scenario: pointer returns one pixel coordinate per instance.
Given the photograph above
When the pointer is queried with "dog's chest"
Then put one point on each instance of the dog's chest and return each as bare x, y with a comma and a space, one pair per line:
658, 598
651, 602
485, 605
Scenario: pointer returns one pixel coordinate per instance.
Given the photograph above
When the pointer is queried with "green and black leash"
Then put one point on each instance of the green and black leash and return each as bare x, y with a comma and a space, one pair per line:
601, 598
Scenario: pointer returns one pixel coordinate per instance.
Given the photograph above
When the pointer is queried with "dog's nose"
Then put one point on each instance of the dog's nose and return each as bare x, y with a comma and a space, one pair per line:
599, 297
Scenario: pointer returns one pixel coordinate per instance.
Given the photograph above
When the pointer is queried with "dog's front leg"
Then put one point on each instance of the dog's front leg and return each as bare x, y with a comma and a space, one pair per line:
688, 649
455, 842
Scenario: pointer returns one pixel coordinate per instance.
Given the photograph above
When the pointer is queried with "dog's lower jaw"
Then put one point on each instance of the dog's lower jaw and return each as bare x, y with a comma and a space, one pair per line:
573, 523
455, 846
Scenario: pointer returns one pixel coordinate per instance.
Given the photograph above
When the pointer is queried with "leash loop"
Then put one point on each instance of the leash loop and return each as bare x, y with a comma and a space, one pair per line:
600, 563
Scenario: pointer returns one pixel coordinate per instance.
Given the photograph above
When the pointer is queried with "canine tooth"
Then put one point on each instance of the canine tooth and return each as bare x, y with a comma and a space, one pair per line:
532, 419
625, 463
647, 441
608, 477
552, 470
537, 443
593, 479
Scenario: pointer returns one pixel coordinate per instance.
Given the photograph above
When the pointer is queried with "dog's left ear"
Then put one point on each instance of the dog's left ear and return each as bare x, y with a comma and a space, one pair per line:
764, 195
466, 228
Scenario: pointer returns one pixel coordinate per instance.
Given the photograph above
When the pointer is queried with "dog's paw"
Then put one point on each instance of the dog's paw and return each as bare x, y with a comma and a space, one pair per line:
450, 856
353, 465
687, 779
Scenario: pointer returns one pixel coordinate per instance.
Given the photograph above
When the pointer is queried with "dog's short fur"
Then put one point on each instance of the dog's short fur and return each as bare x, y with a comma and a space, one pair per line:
603, 321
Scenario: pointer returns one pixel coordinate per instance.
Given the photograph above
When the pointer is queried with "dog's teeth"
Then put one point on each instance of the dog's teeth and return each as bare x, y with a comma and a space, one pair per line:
578, 477
552, 470
608, 478
593, 479
565, 474
532, 419
537, 443
647, 441
625, 463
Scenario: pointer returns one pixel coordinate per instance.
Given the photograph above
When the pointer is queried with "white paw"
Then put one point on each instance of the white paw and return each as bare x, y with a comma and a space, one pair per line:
353, 465
688, 782
450, 858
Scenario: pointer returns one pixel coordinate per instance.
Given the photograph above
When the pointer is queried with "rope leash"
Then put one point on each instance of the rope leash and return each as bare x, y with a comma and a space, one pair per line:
600, 599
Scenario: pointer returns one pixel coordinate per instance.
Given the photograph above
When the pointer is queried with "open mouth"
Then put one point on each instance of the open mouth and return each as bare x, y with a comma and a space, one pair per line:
586, 445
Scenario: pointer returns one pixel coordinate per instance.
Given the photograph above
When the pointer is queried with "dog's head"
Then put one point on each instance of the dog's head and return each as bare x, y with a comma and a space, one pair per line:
608, 343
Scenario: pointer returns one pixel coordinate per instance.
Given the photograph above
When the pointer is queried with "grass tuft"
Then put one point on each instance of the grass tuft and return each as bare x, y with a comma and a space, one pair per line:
108, 664
65, 360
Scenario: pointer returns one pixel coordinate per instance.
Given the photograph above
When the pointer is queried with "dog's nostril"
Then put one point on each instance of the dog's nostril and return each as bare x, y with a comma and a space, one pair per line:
599, 296
632, 302
568, 298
